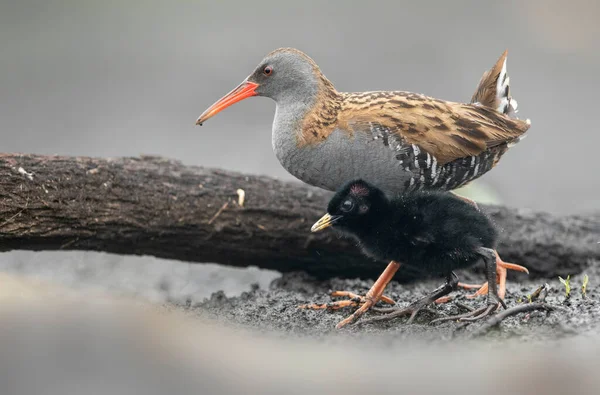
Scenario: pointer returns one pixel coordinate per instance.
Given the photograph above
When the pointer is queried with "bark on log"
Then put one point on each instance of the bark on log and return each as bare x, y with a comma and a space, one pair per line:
159, 207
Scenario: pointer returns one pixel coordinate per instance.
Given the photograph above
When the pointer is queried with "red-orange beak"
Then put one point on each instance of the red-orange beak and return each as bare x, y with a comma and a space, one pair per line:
243, 90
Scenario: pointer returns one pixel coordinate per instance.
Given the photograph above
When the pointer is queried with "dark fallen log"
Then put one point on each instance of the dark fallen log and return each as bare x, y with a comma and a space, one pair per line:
154, 206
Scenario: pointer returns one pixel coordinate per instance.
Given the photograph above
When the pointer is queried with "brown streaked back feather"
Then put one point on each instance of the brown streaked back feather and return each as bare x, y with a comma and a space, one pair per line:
446, 130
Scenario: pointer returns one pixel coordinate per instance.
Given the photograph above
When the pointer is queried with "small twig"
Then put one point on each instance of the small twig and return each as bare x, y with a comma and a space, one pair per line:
69, 243
11, 218
464, 306
223, 207
16, 215
498, 318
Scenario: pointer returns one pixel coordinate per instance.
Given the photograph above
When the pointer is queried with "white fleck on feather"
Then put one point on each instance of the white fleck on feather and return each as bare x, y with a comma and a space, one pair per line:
416, 152
501, 85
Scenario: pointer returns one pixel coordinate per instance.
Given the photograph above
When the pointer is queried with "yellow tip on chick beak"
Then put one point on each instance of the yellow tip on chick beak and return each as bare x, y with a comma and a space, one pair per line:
323, 223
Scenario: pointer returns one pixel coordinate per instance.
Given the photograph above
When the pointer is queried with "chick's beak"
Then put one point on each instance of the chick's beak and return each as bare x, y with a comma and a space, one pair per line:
325, 222
242, 91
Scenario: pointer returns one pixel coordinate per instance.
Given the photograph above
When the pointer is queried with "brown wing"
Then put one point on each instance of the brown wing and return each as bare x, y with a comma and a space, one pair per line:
446, 130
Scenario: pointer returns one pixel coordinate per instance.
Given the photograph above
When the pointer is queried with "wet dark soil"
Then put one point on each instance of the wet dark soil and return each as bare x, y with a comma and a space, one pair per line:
276, 310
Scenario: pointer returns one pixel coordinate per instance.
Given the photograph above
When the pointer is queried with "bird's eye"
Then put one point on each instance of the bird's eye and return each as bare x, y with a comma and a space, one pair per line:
347, 205
268, 70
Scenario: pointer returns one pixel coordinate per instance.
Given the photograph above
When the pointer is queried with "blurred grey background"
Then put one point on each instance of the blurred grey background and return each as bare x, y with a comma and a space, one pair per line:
113, 78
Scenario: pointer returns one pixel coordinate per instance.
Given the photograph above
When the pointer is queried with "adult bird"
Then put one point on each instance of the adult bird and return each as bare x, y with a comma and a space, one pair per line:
398, 141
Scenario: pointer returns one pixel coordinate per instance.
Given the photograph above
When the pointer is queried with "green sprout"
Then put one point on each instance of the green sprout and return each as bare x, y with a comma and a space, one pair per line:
567, 285
586, 279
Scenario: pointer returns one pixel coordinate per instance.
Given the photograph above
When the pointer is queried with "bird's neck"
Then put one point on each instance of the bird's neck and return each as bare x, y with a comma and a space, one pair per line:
302, 119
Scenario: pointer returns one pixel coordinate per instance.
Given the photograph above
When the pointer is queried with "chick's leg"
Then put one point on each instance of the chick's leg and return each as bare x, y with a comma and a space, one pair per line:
501, 270
366, 302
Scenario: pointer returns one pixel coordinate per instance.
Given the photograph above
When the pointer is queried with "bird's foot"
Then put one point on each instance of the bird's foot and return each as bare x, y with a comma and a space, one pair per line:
501, 270
420, 305
471, 316
374, 295
494, 298
354, 300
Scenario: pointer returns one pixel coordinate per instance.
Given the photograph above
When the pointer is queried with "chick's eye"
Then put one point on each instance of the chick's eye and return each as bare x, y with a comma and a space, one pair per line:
268, 70
347, 205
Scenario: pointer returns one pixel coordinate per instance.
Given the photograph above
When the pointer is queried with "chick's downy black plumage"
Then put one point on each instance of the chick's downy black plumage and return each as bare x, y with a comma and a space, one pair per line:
434, 232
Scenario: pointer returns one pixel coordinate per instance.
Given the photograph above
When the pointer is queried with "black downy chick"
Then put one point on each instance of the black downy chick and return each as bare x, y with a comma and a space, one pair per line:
435, 232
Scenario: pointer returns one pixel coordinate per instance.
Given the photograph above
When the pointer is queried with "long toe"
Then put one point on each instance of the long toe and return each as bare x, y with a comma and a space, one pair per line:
353, 300
469, 286
483, 290
360, 298
340, 304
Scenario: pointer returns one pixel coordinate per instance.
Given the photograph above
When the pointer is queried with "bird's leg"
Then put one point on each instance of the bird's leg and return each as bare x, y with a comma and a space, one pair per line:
415, 307
366, 302
493, 299
447, 299
501, 270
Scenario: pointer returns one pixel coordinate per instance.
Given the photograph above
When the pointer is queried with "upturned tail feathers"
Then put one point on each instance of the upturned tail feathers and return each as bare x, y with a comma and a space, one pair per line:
494, 89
